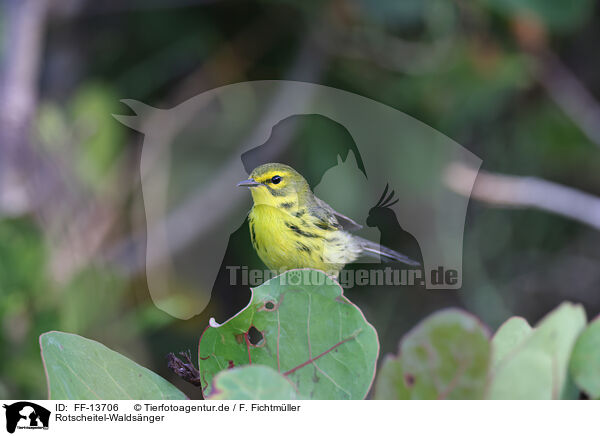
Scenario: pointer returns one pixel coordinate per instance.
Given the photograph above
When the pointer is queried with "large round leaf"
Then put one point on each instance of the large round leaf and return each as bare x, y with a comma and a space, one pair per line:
81, 369
390, 383
300, 324
446, 356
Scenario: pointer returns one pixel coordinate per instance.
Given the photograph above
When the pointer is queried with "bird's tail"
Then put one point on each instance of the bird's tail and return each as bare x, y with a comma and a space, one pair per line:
373, 249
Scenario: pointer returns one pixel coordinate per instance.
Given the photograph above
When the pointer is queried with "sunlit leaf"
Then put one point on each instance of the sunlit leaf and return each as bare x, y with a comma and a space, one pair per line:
510, 334
537, 368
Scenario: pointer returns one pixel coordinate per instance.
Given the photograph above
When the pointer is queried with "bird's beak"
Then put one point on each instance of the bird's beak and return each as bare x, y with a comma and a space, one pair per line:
249, 183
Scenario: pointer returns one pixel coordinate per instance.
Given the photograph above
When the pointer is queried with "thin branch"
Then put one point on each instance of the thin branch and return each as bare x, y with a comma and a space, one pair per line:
24, 30
561, 84
525, 192
569, 93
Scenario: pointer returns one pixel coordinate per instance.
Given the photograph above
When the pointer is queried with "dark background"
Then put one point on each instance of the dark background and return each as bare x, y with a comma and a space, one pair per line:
516, 82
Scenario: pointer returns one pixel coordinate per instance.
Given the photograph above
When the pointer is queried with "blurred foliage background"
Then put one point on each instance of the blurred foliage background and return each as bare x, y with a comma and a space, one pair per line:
516, 82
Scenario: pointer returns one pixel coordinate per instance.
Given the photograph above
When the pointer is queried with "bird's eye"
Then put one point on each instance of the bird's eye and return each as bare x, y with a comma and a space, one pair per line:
276, 179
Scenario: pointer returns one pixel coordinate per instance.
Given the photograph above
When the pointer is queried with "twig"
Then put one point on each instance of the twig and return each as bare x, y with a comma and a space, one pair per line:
517, 191
569, 93
561, 84
186, 370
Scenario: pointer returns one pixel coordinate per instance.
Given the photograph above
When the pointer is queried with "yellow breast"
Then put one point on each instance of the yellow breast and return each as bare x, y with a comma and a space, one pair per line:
286, 241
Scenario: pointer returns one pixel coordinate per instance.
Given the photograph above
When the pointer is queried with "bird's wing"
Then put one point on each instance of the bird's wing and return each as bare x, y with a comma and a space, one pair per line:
333, 218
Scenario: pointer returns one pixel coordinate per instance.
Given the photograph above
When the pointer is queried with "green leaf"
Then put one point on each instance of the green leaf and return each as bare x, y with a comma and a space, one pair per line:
99, 138
310, 332
526, 375
585, 360
390, 383
570, 390
252, 382
446, 356
81, 369
510, 334
537, 368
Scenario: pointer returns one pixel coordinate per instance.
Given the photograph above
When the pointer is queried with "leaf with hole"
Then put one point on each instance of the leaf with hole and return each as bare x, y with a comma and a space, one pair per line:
81, 369
390, 383
446, 356
300, 324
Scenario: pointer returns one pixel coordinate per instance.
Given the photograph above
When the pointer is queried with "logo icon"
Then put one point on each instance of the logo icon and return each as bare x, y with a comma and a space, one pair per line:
26, 415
